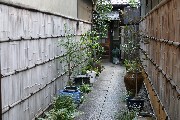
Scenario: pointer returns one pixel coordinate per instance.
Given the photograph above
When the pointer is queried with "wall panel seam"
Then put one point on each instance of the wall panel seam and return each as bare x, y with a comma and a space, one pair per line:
35, 65
31, 38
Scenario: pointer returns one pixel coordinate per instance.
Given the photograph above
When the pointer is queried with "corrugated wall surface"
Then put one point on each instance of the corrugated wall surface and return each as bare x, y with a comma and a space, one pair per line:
31, 70
160, 52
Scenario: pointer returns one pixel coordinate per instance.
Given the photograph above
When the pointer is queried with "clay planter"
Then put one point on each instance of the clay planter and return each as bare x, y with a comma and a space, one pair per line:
130, 82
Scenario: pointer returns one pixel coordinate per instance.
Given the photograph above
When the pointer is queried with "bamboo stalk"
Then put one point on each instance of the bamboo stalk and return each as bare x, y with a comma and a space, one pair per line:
169, 42
168, 78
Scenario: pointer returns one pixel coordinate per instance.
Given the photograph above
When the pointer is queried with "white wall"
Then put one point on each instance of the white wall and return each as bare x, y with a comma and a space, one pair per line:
63, 7
85, 10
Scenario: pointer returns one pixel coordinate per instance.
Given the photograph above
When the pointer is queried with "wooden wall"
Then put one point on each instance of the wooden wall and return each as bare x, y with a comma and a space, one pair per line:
30, 52
160, 53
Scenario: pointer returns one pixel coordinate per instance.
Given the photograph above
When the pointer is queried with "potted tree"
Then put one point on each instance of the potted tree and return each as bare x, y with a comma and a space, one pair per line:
99, 31
133, 78
91, 39
72, 56
93, 50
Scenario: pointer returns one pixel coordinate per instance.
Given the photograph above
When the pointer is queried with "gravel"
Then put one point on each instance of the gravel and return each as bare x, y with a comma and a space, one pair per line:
106, 99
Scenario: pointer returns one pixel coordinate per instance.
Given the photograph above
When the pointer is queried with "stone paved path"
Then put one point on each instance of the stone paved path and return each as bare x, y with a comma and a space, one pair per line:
104, 101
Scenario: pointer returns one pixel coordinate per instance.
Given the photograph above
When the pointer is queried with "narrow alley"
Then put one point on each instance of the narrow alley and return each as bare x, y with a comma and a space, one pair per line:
51, 51
104, 101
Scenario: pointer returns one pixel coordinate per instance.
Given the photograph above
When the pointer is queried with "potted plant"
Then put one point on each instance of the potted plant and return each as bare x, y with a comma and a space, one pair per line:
73, 92
72, 56
127, 64
115, 55
85, 88
93, 50
95, 65
133, 79
63, 108
132, 62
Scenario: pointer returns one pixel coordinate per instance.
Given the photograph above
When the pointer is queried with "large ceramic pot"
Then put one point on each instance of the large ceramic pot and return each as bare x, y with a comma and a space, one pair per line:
130, 82
73, 92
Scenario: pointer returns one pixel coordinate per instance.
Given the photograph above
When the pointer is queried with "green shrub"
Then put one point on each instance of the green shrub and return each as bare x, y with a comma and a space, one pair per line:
126, 115
85, 88
63, 109
61, 114
62, 102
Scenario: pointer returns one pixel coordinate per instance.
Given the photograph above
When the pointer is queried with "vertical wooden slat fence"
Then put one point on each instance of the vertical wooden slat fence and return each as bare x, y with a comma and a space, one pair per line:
160, 54
30, 52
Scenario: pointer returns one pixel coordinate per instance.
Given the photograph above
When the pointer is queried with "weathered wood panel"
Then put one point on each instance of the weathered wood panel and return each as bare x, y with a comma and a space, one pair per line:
31, 70
161, 27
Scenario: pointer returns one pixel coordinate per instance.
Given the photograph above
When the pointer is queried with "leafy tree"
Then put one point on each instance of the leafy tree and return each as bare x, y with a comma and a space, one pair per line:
100, 17
73, 52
